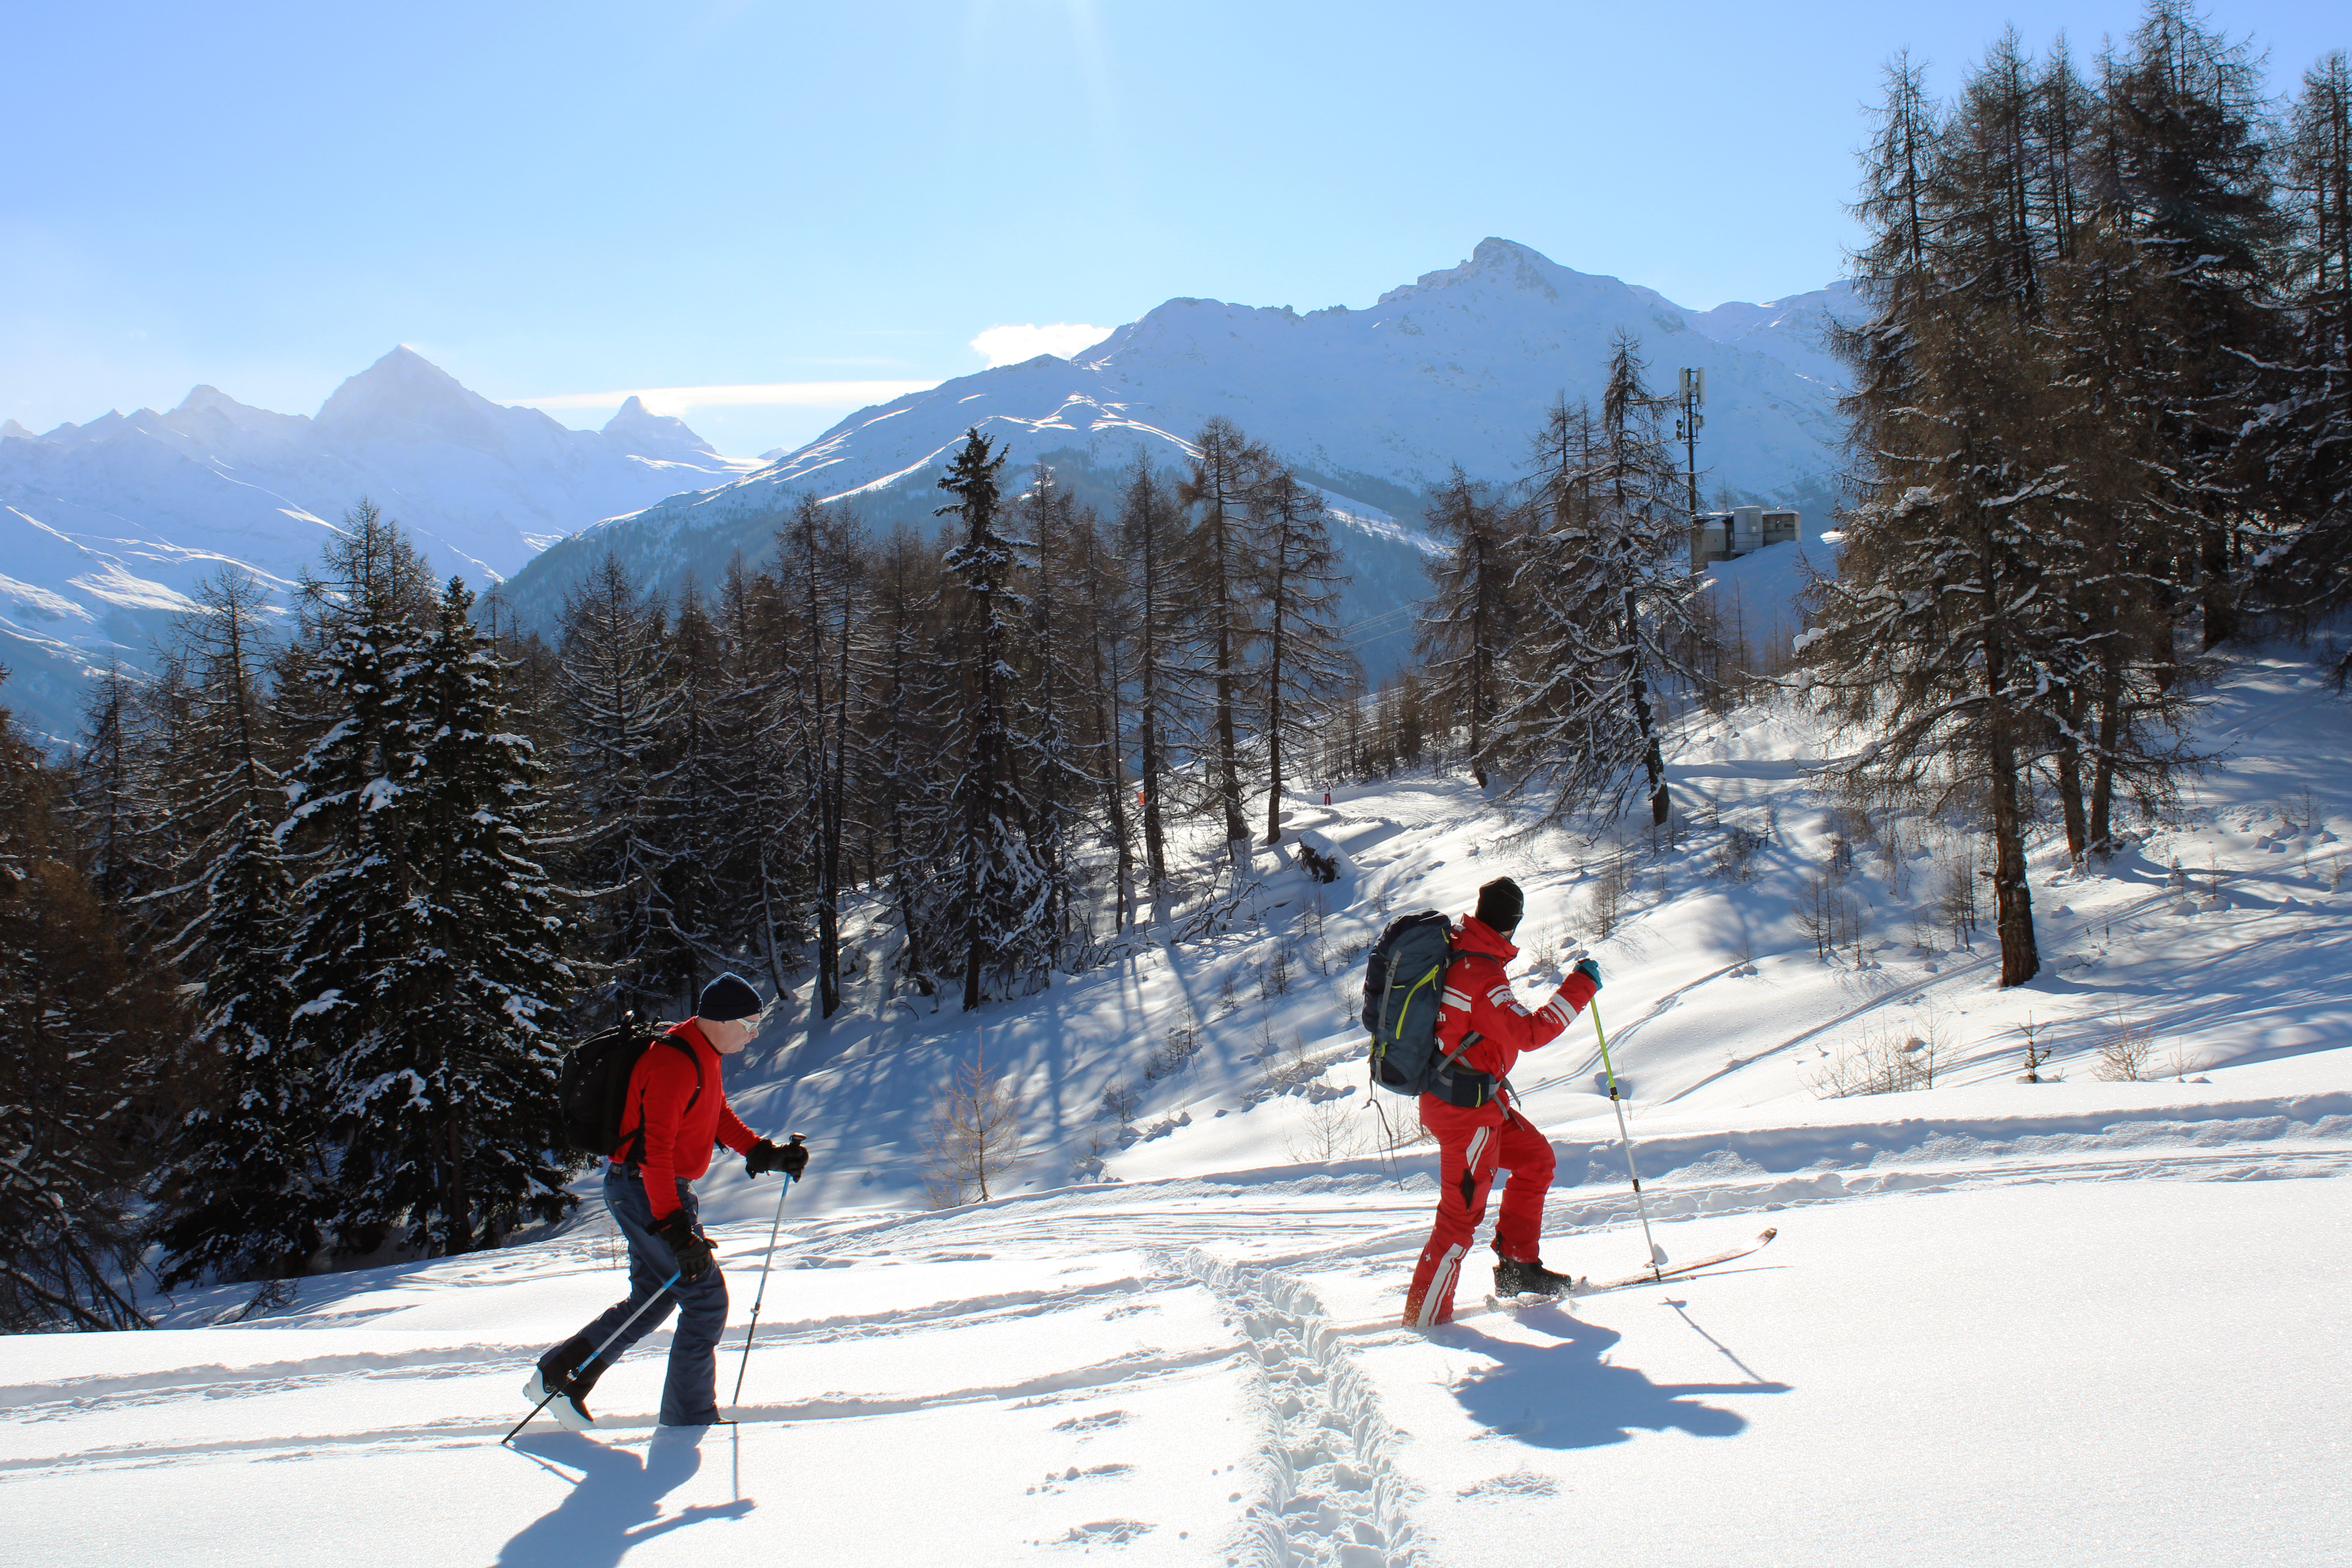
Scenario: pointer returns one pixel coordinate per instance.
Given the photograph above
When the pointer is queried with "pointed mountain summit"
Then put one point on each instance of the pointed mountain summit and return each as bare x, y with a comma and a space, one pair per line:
636, 429
12, 431
404, 396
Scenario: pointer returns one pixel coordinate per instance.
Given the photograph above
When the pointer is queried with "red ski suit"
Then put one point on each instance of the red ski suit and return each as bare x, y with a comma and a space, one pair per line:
1474, 1142
680, 1125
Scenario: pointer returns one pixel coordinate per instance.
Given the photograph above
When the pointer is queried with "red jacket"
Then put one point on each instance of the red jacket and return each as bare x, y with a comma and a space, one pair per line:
1478, 999
680, 1126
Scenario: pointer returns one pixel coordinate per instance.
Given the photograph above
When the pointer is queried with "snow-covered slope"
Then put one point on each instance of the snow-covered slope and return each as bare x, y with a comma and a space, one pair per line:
2002, 1323
104, 526
1375, 406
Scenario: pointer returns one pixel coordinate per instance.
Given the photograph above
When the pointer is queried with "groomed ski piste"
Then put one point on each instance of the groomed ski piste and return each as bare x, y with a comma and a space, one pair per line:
2070, 1322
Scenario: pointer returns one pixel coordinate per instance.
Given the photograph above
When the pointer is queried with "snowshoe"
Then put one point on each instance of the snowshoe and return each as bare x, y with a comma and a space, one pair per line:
1516, 1277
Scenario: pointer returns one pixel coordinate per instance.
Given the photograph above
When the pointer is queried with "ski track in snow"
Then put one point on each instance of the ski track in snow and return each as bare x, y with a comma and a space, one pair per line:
1332, 1491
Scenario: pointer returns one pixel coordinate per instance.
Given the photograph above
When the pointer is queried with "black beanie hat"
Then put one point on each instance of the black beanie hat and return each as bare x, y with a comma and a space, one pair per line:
1500, 905
727, 998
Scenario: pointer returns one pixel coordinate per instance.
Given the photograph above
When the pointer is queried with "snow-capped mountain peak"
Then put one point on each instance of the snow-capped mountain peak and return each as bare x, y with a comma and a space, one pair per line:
638, 429
110, 524
404, 396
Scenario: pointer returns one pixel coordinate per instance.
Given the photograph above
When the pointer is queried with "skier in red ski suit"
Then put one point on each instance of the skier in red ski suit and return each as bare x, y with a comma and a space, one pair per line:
1477, 1128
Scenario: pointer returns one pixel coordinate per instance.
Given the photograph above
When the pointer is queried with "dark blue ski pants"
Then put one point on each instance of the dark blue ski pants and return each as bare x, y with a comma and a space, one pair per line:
690, 1394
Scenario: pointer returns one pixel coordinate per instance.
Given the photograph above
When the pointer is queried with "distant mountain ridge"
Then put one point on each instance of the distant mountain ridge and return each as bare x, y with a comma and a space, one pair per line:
1374, 405
105, 526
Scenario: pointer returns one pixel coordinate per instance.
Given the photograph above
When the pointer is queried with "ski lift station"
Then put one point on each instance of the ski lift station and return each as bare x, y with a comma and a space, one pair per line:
1742, 531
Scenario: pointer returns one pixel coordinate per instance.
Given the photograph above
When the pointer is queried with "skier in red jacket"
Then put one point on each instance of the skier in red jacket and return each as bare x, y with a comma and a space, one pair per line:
1483, 1027
677, 1110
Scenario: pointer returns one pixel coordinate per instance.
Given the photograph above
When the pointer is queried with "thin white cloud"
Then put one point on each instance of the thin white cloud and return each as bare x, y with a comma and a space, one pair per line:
677, 400
1015, 342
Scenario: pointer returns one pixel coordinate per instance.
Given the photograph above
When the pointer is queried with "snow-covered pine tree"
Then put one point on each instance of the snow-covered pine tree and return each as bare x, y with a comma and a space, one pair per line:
2186, 178
1470, 623
1226, 471
358, 926
1947, 637
1001, 893
1306, 662
1607, 604
118, 799
619, 698
241, 1197
84, 1030
445, 1098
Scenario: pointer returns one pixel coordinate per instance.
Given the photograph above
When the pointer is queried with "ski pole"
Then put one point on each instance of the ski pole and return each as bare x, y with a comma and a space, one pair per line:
745, 1364
1656, 1258
599, 1350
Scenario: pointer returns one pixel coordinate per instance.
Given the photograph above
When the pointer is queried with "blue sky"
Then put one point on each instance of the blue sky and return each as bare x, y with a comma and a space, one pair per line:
563, 202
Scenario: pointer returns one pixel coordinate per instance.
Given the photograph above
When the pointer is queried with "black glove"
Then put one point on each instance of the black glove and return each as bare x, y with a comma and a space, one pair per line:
790, 1158
1589, 970
690, 1245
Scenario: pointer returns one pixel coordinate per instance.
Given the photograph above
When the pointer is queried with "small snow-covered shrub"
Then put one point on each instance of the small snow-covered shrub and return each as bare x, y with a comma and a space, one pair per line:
1956, 890
1828, 916
1734, 856
2127, 1051
1174, 1055
1888, 1061
973, 1137
2299, 813
1331, 1129
1604, 901
1274, 980
1119, 1100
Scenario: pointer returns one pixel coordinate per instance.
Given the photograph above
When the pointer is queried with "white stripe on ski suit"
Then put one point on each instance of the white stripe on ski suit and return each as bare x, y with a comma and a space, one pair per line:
1441, 1287
1441, 1284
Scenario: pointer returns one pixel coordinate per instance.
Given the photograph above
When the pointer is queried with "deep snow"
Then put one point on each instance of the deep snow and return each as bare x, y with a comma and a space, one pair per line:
2061, 1323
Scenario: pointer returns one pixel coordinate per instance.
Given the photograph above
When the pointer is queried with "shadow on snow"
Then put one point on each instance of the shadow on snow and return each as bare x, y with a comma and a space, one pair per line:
616, 1505
1566, 1394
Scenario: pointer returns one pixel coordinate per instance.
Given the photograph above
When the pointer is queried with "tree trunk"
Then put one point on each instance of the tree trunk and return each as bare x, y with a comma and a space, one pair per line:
2100, 831
1274, 733
2069, 782
1661, 806
2013, 901
2213, 587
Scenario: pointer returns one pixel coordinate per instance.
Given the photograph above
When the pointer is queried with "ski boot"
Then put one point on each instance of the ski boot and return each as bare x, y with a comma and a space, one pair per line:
569, 1406
1514, 1277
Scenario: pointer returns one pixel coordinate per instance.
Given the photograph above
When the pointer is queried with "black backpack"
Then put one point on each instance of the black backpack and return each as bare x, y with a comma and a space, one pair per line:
593, 1091
1404, 986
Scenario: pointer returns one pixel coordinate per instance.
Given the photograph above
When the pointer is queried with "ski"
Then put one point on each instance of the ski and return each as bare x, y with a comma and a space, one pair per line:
1651, 1277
